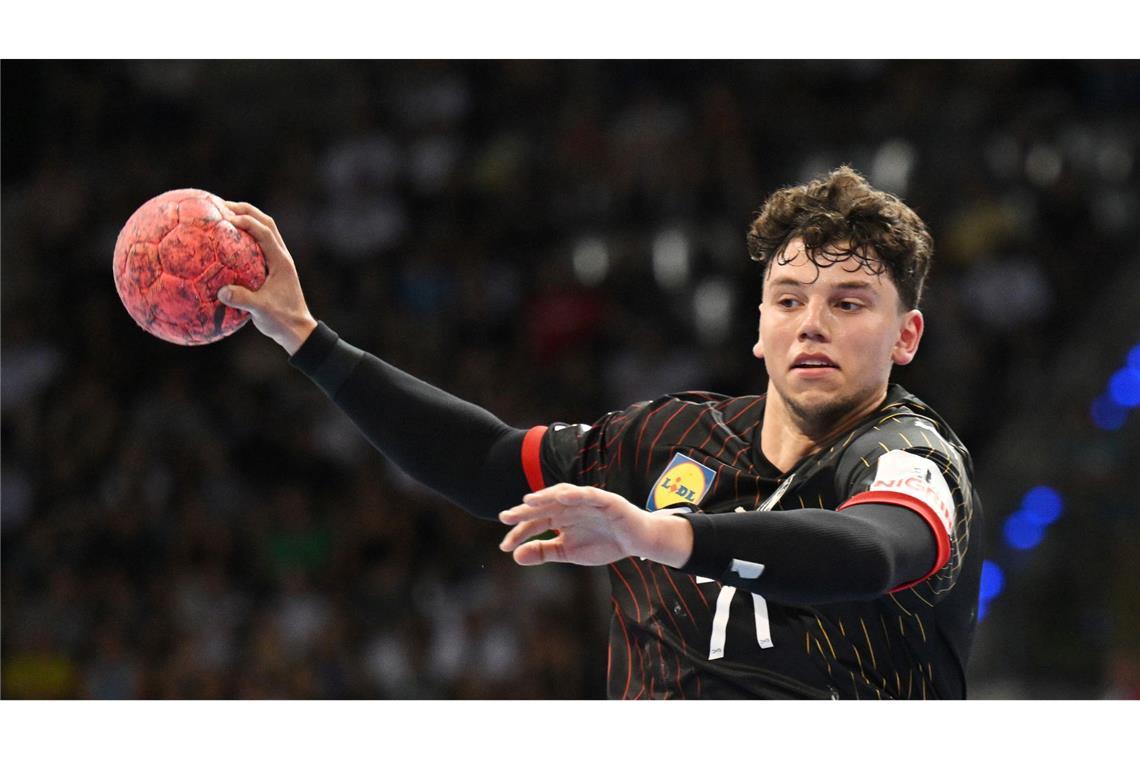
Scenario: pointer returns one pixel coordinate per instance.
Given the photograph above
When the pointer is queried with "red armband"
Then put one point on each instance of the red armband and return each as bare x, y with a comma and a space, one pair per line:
531, 462
941, 538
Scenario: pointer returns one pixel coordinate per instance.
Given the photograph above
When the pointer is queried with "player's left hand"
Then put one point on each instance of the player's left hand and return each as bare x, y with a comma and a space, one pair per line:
595, 527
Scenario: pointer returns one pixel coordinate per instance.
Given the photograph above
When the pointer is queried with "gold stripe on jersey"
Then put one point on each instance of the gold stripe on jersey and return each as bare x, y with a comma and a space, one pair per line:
914, 590
894, 598
859, 659
892, 416
826, 638
849, 438
871, 649
909, 445
921, 628
841, 629
824, 656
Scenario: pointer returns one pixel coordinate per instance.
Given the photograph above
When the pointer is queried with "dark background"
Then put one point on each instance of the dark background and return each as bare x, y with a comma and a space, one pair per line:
551, 240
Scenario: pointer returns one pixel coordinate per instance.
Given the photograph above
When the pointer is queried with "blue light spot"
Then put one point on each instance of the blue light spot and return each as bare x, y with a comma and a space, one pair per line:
1134, 358
993, 580
983, 608
1021, 532
1042, 505
1107, 414
1124, 388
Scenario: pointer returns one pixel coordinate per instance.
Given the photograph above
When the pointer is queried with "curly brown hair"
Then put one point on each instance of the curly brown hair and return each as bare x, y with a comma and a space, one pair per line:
874, 227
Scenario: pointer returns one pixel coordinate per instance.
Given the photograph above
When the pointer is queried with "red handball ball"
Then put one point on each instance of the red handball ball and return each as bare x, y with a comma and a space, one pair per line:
173, 255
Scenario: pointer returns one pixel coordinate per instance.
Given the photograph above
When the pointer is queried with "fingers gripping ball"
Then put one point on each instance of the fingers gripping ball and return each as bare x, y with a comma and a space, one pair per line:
173, 255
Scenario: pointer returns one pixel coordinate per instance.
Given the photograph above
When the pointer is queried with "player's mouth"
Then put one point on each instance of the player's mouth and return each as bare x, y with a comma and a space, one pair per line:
813, 365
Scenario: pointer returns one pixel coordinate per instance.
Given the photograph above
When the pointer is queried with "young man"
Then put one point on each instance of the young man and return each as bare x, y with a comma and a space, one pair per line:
820, 540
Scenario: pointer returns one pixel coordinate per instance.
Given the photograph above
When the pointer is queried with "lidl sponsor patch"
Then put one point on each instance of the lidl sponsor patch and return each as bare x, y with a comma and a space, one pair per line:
683, 484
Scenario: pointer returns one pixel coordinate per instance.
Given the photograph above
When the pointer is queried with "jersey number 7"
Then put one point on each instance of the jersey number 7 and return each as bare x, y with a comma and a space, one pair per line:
720, 620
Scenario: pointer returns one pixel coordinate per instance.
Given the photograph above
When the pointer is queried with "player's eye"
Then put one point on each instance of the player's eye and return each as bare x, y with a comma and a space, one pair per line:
850, 306
788, 302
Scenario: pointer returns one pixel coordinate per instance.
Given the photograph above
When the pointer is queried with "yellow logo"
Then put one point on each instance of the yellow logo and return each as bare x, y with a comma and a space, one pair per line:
683, 484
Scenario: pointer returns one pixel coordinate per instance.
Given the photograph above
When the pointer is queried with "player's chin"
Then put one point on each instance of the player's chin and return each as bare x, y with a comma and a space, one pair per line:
821, 406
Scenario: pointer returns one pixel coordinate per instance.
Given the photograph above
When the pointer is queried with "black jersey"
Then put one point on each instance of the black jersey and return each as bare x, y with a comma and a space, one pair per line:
677, 635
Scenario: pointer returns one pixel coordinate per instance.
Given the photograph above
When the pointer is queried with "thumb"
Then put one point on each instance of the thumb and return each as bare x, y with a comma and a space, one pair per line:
236, 296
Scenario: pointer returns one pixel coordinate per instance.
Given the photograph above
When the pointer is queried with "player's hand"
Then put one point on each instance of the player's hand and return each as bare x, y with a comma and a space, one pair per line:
278, 307
595, 527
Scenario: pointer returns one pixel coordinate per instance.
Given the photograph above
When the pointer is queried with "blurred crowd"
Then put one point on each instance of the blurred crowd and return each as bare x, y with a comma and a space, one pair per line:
551, 240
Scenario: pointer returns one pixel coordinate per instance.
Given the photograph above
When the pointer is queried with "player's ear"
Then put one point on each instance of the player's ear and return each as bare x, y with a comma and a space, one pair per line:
910, 333
758, 349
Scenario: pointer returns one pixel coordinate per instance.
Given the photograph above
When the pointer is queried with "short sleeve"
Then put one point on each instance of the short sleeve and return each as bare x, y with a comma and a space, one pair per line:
577, 453
908, 463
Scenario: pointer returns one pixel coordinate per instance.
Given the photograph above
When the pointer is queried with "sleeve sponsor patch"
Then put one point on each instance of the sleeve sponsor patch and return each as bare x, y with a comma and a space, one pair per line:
909, 474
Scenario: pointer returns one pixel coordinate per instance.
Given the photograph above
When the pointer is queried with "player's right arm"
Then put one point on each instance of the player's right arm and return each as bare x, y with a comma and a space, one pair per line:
450, 445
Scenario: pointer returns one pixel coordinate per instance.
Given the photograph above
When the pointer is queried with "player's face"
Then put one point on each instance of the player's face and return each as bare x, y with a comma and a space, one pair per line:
829, 336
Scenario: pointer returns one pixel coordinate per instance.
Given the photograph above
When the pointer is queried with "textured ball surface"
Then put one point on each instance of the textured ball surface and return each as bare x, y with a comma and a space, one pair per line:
171, 257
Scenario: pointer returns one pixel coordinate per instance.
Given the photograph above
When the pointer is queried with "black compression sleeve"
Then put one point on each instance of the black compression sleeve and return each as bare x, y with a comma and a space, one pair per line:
455, 447
813, 556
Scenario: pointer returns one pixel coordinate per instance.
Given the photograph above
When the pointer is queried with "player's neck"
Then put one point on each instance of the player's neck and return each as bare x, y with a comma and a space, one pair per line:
785, 439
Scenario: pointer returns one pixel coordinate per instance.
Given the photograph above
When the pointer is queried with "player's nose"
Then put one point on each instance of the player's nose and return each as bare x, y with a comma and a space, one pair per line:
813, 322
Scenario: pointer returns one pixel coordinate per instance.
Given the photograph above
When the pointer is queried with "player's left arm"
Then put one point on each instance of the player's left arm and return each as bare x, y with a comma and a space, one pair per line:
892, 528
802, 556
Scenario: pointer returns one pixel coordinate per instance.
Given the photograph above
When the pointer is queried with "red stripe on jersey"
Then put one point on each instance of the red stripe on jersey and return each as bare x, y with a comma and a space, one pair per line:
641, 650
923, 510
680, 690
644, 582
677, 628
636, 606
641, 668
716, 427
661, 432
641, 436
700, 593
628, 649
744, 437
695, 421
707, 438
723, 446
755, 401
531, 464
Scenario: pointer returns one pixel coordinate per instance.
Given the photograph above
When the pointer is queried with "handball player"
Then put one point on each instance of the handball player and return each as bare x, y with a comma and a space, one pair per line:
820, 540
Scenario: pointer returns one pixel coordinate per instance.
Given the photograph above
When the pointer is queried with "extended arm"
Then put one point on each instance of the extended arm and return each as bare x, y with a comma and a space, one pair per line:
457, 448
796, 557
